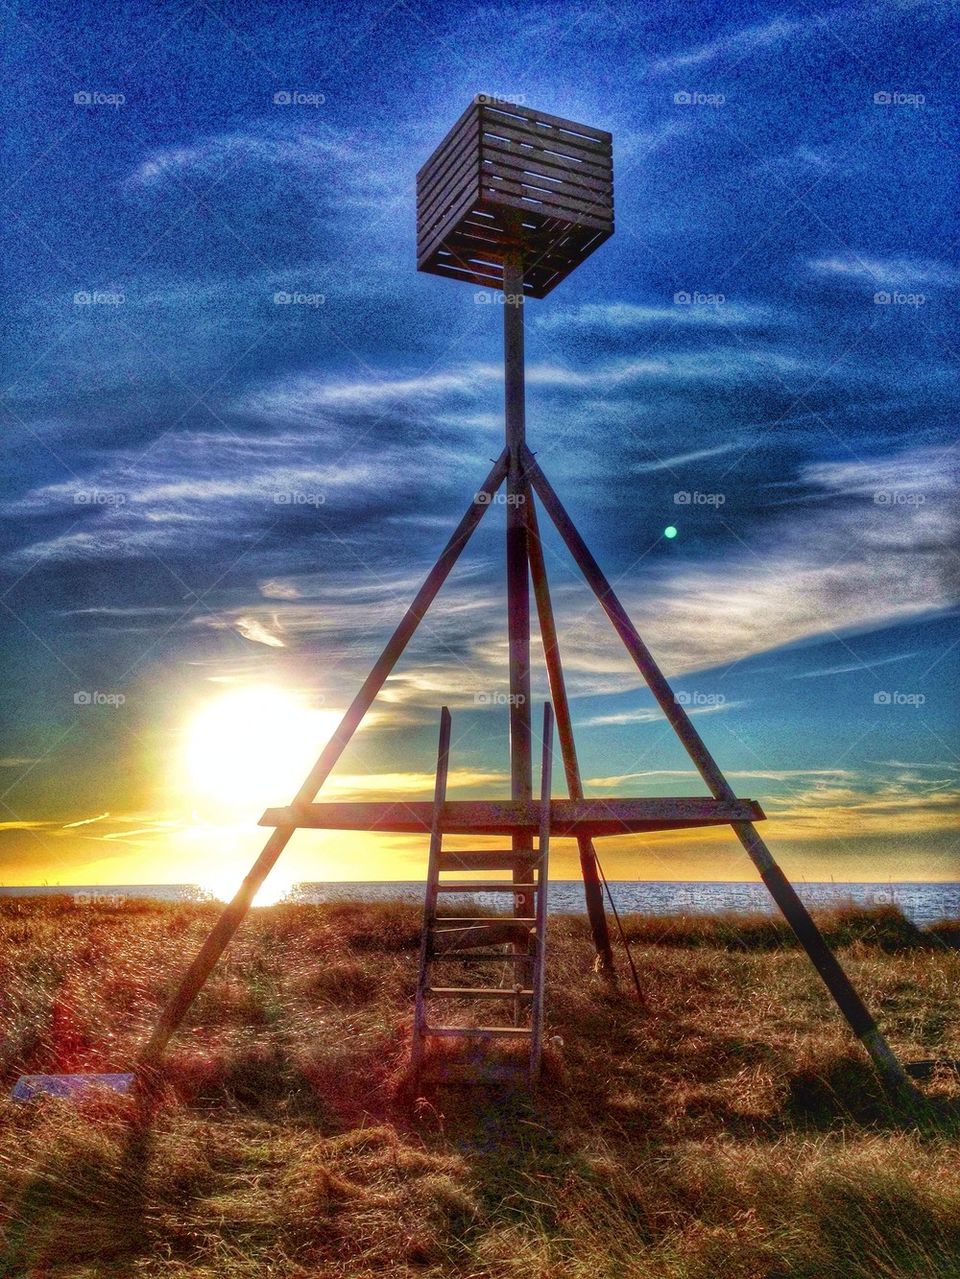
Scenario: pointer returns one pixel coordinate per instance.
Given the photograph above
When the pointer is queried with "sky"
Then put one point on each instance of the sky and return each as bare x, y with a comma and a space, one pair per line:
217, 501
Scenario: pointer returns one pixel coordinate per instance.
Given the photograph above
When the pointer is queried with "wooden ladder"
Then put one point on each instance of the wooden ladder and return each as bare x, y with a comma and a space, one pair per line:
477, 941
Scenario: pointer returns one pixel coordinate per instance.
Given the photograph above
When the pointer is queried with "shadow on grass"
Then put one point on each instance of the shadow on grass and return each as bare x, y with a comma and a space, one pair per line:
517, 1155
81, 1203
846, 1090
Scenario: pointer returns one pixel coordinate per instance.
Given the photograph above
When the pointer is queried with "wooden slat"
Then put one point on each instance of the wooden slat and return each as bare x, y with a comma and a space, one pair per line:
458, 922
541, 128
582, 170
559, 204
440, 152
447, 265
429, 187
453, 258
429, 207
439, 266
475, 258
428, 244
471, 852
564, 193
558, 180
499, 931
553, 247
516, 202
438, 215
477, 236
447, 155
503, 817
482, 860
558, 122
557, 143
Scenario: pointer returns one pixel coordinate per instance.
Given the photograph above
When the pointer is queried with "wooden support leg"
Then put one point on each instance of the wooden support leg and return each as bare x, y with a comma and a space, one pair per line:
593, 889
518, 573
782, 891
228, 923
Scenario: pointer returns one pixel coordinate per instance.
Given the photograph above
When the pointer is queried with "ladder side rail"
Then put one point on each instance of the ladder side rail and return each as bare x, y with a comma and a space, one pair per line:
539, 968
430, 898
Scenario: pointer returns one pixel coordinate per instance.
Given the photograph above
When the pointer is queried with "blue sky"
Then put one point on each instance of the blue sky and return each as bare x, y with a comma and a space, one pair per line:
207, 491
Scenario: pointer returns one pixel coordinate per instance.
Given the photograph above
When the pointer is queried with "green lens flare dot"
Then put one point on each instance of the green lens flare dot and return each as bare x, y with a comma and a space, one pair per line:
670, 531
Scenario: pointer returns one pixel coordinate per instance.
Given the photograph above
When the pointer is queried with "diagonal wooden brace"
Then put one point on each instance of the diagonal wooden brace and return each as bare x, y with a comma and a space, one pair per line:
782, 891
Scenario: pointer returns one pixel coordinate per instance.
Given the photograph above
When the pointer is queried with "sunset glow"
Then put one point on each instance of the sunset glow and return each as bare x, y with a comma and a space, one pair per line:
250, 748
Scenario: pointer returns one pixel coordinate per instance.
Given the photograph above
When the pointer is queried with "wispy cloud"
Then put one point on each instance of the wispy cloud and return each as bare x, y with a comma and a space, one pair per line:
308, 148
751, 774
298, 400
744, 40
650, 714
681, 459
847, 667
877, 547
255, 631
628, 316
895, 272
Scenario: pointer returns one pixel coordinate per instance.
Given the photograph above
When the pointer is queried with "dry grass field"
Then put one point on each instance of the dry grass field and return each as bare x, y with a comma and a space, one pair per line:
726, 1128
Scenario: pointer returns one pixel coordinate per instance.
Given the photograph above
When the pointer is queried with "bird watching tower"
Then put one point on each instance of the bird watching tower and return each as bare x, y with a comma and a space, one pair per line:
516, 199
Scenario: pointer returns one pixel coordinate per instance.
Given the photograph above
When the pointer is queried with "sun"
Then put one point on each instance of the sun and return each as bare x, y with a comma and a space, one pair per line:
242, 752
251, 748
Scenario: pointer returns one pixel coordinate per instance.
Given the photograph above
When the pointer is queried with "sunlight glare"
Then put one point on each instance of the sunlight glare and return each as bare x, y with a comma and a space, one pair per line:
223, 884
251, 749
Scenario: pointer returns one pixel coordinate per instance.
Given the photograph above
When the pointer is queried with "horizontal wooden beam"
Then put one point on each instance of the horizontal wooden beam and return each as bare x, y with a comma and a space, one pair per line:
507, 817
510, 111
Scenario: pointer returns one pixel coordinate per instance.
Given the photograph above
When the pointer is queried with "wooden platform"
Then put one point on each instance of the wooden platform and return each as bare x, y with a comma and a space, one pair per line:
575, 817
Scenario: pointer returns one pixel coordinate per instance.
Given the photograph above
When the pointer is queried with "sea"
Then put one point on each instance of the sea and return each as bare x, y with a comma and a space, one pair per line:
924, 903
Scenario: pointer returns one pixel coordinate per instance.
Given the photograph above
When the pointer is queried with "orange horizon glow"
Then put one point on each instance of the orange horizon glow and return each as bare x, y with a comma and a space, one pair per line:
248, 748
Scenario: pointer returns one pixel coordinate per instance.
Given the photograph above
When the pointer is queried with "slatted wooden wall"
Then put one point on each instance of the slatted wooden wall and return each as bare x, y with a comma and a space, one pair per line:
507, 174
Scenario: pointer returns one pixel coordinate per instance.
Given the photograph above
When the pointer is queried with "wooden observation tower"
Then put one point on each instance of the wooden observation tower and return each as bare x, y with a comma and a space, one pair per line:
516, 199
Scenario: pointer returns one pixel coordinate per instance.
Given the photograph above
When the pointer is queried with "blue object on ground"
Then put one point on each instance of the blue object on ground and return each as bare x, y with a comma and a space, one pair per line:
29, 1086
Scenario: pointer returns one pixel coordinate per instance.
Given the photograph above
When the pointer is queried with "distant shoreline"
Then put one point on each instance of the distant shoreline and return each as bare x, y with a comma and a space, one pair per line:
921, 901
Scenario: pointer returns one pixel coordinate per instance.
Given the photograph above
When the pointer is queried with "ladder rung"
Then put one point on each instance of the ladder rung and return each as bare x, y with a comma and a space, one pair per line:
486, 859
483, 921
510, 855
487, 852
464, 956
478, 1032
478, 992
488, 886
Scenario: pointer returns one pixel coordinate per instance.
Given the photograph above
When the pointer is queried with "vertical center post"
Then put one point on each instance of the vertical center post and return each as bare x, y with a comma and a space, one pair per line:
518, 582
